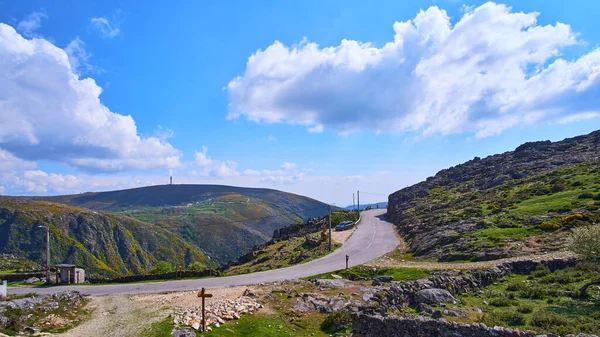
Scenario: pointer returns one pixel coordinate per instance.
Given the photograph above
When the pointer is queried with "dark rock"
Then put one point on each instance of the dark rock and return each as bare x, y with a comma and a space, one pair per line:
379, 280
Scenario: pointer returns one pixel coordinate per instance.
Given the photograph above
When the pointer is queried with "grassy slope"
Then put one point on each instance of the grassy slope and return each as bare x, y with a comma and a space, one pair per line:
223, 221
542, 301
294, 250
102, 243
528, 215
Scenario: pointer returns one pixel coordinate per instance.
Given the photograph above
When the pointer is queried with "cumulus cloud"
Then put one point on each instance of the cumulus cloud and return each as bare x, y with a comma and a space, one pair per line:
250, 172
492, 70
12, 163
202, 159
79, 57
281, 179
225, 169
31, 23
50, 113
104, 27
288, 166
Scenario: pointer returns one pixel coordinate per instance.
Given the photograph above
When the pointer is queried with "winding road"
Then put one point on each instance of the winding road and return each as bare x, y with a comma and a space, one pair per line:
373, 237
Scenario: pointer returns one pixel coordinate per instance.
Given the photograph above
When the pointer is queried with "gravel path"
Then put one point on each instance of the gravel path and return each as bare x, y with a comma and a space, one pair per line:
387, 261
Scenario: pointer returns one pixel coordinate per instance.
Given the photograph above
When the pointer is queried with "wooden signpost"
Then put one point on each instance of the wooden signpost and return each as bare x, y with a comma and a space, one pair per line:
202, 293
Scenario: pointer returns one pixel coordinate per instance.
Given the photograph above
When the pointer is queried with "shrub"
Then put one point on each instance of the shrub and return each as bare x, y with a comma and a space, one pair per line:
547, 320
504, 317
501, 302
596, 197
585, 241
525, 308
196, 266
550, 226
585, 195
162, 267
336, 321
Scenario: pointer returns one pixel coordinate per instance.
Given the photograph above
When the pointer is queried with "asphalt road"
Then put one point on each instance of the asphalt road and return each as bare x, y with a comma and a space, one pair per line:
373, 238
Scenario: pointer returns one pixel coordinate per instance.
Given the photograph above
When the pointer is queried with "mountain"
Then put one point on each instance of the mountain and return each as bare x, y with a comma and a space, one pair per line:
103, 243
223, 221
509, 204
382, 204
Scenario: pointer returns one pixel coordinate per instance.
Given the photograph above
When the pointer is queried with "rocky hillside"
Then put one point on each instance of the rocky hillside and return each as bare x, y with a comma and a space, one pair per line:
223, 221
103, 243
518, 202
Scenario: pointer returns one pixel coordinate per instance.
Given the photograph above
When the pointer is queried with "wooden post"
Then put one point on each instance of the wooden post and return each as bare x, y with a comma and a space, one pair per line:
347, 257
203, 294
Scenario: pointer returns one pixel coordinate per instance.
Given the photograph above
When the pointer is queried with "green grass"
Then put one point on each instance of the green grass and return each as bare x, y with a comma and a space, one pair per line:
399, 274
158, 329
267, 326
542, 301
497, 234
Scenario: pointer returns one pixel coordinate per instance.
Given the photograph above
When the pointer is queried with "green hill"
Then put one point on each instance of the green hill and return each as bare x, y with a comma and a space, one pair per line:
103, 243
505, 205
223, 221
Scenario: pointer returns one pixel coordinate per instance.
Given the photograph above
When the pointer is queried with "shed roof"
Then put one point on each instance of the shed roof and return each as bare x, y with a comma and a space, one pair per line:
65, 265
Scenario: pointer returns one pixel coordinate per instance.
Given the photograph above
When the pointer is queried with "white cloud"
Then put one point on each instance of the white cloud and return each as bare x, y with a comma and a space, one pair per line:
271, 138
202, 159
105, 27
251, 172
288, 166
11, 163
79, 57
273, 172
31, 23
280, 179
492, 70
225, 169
49, 113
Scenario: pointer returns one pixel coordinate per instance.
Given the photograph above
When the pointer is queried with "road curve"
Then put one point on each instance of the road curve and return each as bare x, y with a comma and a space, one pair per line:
373, 238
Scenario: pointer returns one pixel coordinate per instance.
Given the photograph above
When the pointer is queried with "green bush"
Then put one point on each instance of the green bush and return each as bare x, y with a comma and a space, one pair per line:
196, 266
525, 308
501, 302
336, 321
504, 317
162, 267
585, 195
585, 241
550, 226
547, 320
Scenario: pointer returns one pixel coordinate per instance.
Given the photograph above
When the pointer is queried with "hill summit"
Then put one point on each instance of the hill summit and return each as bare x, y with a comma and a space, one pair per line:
518, 202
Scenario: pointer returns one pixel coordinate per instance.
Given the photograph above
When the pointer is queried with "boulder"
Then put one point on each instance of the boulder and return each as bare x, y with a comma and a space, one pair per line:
331, 284
434, 296
379, 280
32, 280
187, 332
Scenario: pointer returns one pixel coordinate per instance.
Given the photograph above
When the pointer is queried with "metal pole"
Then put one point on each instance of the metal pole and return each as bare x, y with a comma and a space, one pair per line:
347, 257
48, 254
329, 216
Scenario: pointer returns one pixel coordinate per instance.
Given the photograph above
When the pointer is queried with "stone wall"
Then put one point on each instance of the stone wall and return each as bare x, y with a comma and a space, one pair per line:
23, 276
460, 282
375, 326
165, 276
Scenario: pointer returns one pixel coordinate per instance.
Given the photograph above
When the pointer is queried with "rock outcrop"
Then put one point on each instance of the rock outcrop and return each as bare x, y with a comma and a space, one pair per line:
435, 215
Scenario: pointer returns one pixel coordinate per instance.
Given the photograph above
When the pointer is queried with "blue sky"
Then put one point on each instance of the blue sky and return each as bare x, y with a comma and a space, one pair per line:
352, 96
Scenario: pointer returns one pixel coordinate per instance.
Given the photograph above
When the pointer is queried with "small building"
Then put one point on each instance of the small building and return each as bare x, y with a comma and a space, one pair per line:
69, 273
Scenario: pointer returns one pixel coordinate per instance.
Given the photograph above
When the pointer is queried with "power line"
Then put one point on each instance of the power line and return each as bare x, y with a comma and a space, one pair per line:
381, 195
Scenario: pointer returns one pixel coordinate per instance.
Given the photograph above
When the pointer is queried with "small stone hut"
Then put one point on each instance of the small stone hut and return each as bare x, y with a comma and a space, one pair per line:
69, 273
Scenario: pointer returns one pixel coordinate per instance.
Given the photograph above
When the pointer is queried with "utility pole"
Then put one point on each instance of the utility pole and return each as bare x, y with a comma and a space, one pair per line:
329, 216
47, 252
353, 204
358, 201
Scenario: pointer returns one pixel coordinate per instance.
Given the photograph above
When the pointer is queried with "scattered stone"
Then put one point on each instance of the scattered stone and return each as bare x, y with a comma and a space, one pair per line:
331, 284
32, 280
